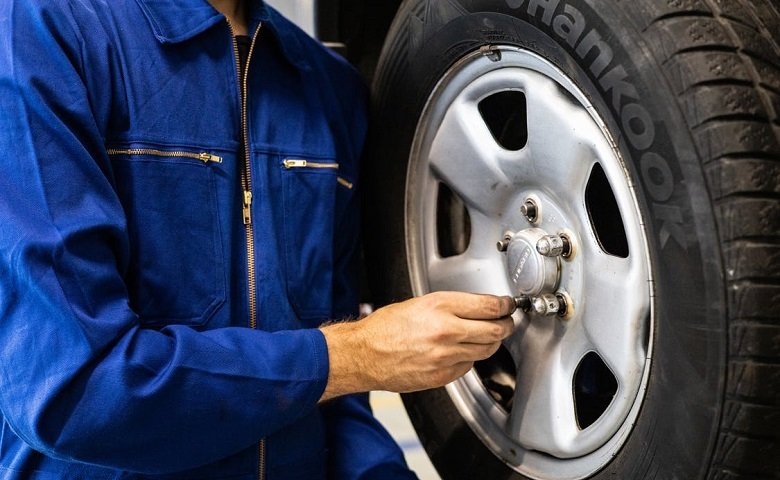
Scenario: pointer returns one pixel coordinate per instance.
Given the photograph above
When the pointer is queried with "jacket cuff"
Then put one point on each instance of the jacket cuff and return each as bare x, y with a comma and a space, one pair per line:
319, 349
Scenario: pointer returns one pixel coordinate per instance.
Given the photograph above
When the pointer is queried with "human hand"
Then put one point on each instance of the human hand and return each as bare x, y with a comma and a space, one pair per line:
421, 343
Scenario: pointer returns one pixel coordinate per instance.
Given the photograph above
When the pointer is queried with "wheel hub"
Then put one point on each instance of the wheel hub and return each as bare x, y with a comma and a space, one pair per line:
530, 272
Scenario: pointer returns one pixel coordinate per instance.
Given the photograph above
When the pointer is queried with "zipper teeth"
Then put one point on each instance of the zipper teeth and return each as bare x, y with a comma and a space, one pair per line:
246, 184
261, 455
202, 156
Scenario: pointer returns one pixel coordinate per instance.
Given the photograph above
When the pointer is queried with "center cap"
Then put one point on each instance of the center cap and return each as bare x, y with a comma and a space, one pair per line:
530, 272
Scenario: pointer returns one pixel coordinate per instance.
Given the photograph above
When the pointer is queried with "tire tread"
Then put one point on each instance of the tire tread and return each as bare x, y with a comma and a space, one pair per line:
722, 58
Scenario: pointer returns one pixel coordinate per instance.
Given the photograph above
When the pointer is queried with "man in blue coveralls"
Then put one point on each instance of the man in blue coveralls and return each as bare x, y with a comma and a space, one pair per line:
173, 172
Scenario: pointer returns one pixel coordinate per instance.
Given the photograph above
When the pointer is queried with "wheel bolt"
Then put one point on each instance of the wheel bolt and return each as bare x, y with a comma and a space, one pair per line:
503, 244
554, 246
530, 210
547, 304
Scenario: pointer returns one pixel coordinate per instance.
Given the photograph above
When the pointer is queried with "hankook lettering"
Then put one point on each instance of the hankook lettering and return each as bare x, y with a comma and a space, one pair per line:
570, 25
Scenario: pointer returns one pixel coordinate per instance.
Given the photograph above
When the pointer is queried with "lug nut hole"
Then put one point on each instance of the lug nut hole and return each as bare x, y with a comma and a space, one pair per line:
562, 304
530, 210
567, 250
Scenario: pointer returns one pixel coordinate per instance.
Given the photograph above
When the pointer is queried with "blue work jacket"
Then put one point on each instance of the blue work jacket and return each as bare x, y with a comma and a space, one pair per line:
160, 291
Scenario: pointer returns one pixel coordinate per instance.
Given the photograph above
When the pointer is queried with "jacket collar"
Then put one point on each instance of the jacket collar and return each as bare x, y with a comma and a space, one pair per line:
175, 21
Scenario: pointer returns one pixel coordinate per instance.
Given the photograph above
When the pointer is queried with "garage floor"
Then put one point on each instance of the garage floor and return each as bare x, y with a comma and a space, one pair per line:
390, 411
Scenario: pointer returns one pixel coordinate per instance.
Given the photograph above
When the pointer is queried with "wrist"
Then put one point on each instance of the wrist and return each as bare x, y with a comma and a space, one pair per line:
347, 371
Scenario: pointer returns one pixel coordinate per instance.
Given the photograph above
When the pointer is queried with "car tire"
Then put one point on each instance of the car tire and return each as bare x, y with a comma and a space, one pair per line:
687, 93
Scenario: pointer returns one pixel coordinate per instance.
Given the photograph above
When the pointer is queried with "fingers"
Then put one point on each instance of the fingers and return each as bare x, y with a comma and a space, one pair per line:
473, 306
474, 352
445, 358
440, 378
460, 368
485, 331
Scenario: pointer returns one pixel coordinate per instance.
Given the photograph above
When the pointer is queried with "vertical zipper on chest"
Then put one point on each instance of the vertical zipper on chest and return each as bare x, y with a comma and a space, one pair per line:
246, 186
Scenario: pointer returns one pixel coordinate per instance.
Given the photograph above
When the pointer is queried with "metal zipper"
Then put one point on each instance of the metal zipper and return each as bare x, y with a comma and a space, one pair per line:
246, 185
296, 163
344, 182
204, 157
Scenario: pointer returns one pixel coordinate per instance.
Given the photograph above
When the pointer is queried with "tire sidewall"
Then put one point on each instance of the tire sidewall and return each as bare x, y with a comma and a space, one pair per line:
680, 413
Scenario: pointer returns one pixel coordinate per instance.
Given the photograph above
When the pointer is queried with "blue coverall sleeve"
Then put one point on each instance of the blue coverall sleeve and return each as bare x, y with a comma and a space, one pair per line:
80, 379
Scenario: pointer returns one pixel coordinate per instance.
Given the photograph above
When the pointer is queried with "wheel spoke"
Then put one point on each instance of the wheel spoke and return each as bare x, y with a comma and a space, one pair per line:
466, 158
614, 310
561, 139
485, 233
542, 416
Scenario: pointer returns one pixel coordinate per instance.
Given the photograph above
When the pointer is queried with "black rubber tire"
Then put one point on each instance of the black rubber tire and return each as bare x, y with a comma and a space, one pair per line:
707, 73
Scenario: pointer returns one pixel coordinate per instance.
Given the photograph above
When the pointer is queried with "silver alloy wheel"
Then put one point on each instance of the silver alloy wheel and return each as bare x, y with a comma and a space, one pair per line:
537, 429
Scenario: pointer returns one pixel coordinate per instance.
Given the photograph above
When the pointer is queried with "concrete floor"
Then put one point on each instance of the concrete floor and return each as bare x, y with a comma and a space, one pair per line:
389, 409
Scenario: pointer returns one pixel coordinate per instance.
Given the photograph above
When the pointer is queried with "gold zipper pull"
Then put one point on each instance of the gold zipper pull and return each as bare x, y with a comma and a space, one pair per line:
207, 157
247, 207
345, 183
295, 163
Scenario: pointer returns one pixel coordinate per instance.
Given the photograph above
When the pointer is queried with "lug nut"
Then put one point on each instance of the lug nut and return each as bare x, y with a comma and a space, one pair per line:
503, 244
530, 210
547, 304
554, 246
550, 304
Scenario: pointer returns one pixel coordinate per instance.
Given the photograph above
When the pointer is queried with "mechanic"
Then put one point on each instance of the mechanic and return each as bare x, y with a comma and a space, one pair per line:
174, 172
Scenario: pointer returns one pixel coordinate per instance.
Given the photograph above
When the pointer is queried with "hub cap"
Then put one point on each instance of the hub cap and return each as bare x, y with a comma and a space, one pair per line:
529, 272
510, 150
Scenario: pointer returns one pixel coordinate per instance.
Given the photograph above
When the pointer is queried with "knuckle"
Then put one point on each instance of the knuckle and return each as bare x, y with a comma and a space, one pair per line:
498, 331
507, 327
438, 333
439, 300
492, 331
433, 301
492, 306
438, 357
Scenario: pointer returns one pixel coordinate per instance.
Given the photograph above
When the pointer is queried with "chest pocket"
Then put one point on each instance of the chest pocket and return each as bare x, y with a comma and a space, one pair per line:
177, 273
311, 190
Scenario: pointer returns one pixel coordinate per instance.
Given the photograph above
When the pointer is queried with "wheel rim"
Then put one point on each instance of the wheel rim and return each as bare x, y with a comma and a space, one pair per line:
506, 135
